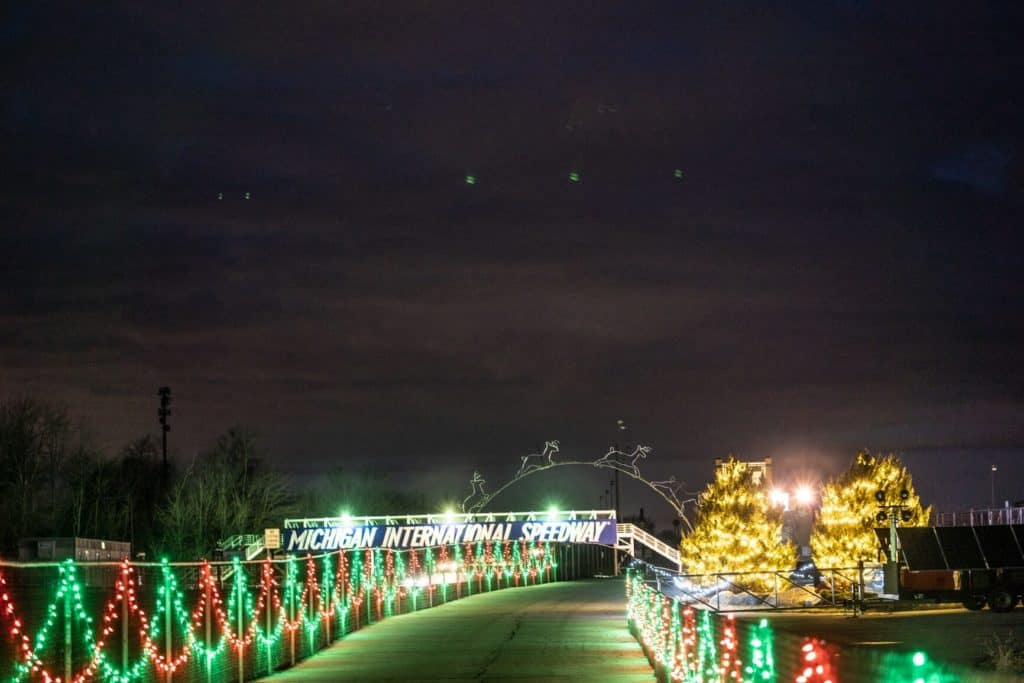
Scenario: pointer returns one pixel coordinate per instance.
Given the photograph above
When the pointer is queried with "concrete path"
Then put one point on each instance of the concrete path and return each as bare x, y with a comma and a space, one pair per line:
574, 631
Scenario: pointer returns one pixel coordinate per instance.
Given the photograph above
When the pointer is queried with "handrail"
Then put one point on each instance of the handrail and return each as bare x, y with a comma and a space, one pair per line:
631, 532
239, 541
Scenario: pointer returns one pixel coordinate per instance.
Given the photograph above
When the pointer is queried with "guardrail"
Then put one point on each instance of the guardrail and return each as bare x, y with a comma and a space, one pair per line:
128, 622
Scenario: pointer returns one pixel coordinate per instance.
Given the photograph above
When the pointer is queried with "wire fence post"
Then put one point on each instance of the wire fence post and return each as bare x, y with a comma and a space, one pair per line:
241, 628
67, 630
266, 607
167, 623
308, 609
330, 609
124, 620
291, 622
860, 585
208, 608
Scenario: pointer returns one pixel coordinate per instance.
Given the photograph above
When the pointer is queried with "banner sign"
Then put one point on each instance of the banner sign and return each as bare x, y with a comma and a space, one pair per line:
405, 536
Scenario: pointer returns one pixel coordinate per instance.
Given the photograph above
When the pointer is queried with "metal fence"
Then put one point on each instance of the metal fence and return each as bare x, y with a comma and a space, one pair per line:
848, 587
987, 517
219, 622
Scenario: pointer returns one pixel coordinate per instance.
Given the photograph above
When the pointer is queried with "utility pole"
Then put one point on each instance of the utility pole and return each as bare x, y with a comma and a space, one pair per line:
163, 413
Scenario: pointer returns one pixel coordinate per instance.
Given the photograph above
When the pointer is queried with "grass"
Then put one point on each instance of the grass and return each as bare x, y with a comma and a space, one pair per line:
1005, 654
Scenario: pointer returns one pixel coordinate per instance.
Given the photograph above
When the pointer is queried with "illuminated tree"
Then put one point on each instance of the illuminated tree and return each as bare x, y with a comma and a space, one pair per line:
736, 528
844, 527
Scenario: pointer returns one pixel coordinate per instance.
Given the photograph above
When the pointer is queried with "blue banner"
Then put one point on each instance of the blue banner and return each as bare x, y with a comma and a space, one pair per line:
405, 536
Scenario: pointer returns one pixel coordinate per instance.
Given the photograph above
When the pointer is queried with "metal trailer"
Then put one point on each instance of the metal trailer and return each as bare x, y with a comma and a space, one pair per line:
975, 566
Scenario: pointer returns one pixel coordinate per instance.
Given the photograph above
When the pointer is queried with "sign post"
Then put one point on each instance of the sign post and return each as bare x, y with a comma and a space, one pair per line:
271, 539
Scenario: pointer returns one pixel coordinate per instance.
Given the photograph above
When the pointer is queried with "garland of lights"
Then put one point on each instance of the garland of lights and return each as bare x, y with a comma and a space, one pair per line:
248, 616
761, 666
697, 646
690, 646
626, 463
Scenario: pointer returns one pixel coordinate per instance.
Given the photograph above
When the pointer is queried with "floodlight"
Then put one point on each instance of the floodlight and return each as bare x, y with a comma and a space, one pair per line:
780, 498
804, 495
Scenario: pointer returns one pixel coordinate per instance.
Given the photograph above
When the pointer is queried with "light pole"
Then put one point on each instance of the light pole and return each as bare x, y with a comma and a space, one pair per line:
992, 498
894, 513
164, 412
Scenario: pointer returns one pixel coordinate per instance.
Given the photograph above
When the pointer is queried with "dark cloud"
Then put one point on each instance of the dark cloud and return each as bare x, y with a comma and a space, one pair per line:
839, 265
982, 167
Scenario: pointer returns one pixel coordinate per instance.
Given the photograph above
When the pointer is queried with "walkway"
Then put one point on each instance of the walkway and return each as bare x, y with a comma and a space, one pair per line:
573, 631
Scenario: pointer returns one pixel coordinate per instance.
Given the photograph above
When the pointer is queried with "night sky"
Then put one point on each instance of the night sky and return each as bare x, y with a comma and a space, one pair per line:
839, 266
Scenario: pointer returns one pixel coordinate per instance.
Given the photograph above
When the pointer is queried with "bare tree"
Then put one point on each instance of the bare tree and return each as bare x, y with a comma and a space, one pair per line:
226, 491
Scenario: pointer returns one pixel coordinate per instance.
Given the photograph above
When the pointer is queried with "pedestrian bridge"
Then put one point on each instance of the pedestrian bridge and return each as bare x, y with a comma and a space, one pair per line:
243, 618
403, 532
565, 631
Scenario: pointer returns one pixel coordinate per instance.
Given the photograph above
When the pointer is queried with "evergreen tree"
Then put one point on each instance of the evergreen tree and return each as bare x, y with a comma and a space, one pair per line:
844, 527
736, 530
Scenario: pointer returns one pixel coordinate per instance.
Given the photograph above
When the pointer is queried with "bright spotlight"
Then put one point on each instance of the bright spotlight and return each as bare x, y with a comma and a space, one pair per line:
552, 512
804, 495
780, 498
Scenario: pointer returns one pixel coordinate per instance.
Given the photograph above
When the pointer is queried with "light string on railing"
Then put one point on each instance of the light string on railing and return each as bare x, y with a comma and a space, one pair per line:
125, 597
689, 645
326, 599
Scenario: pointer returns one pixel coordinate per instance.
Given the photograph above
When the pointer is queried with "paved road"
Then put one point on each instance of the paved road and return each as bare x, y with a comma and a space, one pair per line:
553, 632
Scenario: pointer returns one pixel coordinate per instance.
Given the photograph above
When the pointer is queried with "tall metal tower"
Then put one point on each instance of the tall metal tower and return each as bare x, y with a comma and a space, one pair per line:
164, 412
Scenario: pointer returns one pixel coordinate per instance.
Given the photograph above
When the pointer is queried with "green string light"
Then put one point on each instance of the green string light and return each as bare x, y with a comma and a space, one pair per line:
252, 614
761, 666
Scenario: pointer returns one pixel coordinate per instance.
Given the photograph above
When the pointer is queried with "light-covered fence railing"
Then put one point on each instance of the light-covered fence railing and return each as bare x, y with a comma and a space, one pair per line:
128, 622
689, 644
771, 589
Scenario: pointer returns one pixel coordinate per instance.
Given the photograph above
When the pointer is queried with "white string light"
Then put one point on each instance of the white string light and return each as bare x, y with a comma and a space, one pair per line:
615, 459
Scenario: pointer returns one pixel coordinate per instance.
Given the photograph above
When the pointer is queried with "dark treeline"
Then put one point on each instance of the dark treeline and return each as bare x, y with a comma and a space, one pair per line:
54, 481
